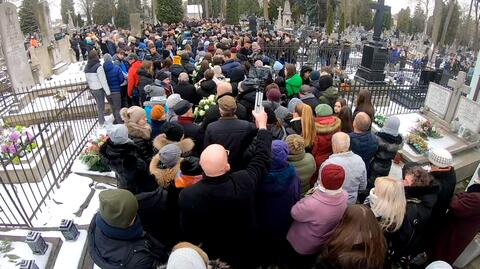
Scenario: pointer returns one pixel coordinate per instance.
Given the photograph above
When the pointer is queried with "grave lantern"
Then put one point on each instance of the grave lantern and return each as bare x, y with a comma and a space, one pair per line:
69, 230
28, 264
36, 243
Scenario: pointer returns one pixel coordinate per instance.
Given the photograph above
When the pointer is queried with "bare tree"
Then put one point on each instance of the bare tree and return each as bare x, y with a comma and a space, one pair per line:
87, 6
426, 5
265, 10
451, 6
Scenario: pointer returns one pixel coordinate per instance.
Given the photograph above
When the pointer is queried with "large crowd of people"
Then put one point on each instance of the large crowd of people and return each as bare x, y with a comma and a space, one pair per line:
302, 182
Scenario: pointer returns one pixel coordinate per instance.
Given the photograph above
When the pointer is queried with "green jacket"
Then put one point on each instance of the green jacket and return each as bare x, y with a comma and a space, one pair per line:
293, 85
329, 96
304, 164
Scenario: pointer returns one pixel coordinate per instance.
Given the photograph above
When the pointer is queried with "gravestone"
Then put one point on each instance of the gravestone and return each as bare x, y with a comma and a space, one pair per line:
11, 38
459, 88
135, 24
468, 114
71, 26
438, 99
375, 53
44, 22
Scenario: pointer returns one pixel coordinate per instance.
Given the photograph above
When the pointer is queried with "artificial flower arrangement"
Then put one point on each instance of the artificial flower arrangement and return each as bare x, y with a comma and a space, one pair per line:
380, 120
90, 155
426, 129
16, 143
203, 107
418, 143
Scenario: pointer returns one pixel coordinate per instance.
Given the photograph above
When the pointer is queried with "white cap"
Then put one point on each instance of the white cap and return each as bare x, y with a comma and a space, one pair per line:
440, 158
439, 265
185, 258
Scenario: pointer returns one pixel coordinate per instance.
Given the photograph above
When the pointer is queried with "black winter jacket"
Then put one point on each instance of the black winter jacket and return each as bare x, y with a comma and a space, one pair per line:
213, 114
145, 79
175, 70
220, 212
388, 146
446, 179
188, 92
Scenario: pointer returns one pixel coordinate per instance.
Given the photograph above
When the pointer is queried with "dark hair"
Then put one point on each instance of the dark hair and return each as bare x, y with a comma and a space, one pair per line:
420, 176
209, 74
208, 57
217, 60
148, 66
342, 101
358, 241
93, 55
167, 63
345, 115
227, 54
364, 103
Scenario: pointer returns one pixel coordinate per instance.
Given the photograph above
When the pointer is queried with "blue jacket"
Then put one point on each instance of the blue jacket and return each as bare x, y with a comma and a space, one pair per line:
365, 145
277, 194
114, 76
229, 66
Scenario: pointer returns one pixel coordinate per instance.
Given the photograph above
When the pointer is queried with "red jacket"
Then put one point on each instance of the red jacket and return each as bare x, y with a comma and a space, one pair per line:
133, 77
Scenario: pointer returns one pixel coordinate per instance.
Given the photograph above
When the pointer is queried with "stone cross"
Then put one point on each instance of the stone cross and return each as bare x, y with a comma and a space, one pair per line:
280, 9
459, 88
380, 12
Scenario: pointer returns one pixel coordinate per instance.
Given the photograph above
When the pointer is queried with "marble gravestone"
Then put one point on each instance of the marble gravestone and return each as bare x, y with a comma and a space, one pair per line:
135, 24
438, 99
11, 38
468, 114
44, 22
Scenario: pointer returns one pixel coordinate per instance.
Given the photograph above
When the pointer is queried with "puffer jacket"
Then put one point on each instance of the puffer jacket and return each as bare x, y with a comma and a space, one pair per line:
237, 75
175, 70
388, 146
228, 66
305, 167
144, 79
142, 141
95, 76
293, 85
246, 97
325, 128
329, 96
365, 145
114, 76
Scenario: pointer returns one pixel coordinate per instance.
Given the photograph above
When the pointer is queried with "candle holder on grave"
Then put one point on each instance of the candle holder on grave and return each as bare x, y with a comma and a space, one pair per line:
36, 243
69, 230
28, 264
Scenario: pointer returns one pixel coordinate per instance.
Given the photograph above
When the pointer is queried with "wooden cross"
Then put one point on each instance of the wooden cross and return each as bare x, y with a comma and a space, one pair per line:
380, 8
459, 89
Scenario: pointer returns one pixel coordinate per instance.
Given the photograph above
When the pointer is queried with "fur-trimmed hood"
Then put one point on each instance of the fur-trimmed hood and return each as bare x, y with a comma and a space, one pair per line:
135, 130
327, 125
186, 144
163, 176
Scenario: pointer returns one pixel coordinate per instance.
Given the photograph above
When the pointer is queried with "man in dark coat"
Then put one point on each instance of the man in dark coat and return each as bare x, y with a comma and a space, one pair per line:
307, 96
186, 90
116, 238
234, 134
229, 64
461, 225
363, 142
213, 113
191, 130
219, 211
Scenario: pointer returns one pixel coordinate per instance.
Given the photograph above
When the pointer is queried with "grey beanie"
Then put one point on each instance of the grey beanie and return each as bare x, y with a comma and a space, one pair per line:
107, 57
118, 134
391, 126
170, 155
293, 103
281, 113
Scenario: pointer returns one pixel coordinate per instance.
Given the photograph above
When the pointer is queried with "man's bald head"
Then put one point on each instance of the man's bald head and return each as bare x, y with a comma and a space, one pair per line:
214, 161
340, 142
223, 88
362, 122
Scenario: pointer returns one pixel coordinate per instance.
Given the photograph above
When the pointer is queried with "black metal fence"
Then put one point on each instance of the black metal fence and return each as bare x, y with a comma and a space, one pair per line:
388, 99
44, 130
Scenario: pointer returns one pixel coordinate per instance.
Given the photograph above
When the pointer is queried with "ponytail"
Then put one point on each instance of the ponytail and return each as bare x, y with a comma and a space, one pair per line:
308, 124
124, 114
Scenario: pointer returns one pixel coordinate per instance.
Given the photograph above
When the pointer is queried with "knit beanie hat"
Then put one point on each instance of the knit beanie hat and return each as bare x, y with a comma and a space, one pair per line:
157, 112
170, 155
190, 166
186, 258
172, 100
173, 131
279, 155
107, 57
315, 75
391, 126
440, 158
293, 103
132, 114
118, 207
277, 66
273, 94
439, 265
296, 144
118, 134
323, 110
332, 176
325, 82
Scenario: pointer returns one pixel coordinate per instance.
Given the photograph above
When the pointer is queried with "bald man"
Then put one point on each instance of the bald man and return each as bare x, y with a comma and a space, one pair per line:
362, 141
355, 169
219, 211
213, 113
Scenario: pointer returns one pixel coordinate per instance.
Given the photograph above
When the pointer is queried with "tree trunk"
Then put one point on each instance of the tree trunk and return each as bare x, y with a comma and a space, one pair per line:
437, 14
451, 5
222, 8
427, 2
265, 10
207, 10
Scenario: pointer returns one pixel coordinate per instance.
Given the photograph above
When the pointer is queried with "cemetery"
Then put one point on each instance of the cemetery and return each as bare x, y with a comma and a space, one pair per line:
51, 171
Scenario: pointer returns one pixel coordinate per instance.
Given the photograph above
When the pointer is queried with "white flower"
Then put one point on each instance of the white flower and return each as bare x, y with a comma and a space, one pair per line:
202, 113
211, 98
206, 107
202, 101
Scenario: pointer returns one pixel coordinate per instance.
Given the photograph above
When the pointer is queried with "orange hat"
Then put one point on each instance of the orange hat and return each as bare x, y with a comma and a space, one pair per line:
157, 112
177, 59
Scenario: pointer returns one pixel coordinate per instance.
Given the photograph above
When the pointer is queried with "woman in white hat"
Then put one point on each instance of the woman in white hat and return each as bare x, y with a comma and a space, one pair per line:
442, 170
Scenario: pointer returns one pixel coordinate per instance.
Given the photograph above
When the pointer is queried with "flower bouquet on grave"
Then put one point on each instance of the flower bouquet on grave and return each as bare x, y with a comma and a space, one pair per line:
203, 107
90, 155
417, 143
380, 120
426, 129
16, 143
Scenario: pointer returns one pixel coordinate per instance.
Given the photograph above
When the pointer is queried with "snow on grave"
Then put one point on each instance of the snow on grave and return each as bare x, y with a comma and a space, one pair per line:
61, 254
33, 165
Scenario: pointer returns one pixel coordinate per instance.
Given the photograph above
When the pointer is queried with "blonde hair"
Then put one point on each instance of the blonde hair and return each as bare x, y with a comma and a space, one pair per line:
390, 203
308, 123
